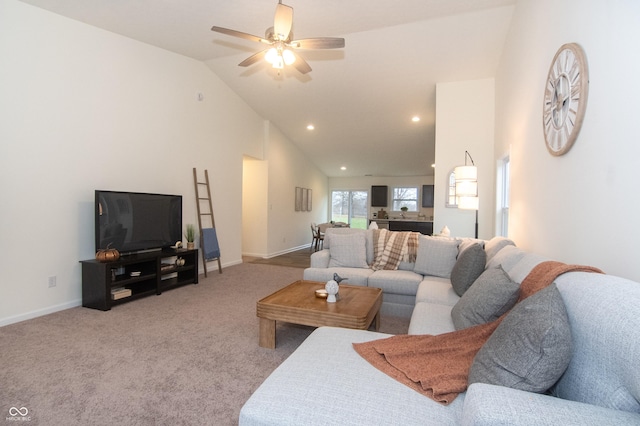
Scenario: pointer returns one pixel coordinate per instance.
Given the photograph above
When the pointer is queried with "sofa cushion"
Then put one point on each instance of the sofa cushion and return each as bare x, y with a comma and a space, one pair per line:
352, 276
396, 282
406, 266
604, 312
508, 257
470, 264
330, 232
490, 405
326, 382
436, 256
430, 318
320, 259
493, 294
494, 245
530, 349
436, 290
348, 251
520, 270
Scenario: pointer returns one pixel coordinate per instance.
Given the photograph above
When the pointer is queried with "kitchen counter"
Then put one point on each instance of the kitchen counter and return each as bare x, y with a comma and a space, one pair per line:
394, 219
417, 225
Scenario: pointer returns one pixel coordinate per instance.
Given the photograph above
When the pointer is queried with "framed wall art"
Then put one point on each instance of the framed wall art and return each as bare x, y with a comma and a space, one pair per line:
303, 199
298, 198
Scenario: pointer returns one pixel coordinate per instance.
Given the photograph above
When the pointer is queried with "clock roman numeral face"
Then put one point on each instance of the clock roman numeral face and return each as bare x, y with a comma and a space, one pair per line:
565, 98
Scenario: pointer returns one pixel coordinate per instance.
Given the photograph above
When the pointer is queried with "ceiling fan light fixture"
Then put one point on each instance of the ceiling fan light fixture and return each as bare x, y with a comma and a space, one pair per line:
289, 57
271, 56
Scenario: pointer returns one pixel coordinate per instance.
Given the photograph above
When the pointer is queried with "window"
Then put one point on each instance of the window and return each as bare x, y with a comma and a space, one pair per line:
504, 171
405, 197
451, 200
350, 207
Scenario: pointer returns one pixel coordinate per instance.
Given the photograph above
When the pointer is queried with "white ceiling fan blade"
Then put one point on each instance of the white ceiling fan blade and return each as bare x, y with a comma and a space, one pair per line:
240, 34
283, 21
253, 58
300, 64
318, 43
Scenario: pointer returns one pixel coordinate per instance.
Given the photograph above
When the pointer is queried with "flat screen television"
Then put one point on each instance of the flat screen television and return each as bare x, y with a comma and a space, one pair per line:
133, 222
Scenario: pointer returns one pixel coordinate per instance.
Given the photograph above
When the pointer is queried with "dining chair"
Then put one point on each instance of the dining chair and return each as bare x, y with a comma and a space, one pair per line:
318, 236
319, 239
314, 237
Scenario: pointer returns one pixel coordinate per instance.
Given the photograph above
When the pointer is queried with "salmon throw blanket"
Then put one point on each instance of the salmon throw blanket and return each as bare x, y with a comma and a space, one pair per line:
438, 366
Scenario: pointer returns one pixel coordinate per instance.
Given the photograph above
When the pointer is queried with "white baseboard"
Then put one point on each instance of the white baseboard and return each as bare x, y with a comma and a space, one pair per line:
281, 252
40, 312
212, 266
252, 254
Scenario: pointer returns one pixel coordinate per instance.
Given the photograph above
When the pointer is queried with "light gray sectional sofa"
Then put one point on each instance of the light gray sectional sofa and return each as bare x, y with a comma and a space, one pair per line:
326, 382
400, 286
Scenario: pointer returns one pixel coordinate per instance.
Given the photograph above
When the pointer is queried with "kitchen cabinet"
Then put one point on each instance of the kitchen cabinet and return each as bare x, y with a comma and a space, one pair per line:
427, 196
379, 194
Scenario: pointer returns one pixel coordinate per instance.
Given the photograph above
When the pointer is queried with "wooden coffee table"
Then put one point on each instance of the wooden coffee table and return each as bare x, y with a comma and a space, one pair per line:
357, 307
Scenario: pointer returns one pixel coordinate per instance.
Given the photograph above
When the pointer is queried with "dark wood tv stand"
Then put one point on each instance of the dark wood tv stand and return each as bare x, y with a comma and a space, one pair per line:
142, 274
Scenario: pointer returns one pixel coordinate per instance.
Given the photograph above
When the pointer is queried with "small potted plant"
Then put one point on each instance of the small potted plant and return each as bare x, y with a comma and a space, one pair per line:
404, 210
190, 234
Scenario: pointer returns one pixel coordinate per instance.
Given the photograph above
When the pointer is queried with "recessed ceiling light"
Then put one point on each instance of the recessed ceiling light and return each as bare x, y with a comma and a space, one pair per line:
415, 119
343, 168
310, 127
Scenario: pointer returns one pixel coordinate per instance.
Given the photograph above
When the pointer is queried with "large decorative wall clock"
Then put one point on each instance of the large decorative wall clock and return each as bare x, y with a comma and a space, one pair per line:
565, 98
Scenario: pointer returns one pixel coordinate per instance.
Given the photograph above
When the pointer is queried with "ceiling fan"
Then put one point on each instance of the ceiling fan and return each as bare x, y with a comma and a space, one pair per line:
280, 39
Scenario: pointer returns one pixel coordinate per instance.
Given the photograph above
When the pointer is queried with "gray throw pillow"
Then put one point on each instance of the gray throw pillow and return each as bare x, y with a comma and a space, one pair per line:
436, 256
468, 268
530, 349
348, 251
490, 296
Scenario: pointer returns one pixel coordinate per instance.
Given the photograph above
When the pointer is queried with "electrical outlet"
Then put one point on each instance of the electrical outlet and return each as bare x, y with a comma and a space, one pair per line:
52, 281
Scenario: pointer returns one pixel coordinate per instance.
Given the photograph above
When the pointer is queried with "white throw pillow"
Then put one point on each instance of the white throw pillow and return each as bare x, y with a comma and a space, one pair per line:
507, 257
436, 256
348, 251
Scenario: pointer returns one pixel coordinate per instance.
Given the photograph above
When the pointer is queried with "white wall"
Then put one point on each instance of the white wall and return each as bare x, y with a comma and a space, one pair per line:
255, 201
581, 207
84, 109
288, 168
465, 122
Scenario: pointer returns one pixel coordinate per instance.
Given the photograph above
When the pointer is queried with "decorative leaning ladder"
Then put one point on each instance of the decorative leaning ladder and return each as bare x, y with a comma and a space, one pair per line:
208, 238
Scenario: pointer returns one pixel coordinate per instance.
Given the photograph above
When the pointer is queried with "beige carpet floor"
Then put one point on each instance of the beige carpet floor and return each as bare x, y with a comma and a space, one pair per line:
189, 356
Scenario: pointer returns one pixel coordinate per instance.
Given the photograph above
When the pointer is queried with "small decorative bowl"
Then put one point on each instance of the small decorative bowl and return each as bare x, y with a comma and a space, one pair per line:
321, 293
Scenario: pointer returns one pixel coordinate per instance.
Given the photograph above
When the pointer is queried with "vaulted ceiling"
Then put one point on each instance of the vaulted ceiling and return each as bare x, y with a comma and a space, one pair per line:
361, 99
